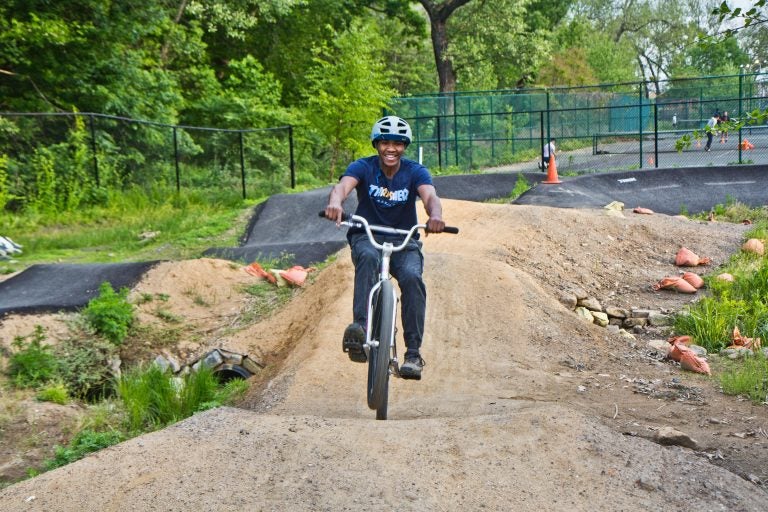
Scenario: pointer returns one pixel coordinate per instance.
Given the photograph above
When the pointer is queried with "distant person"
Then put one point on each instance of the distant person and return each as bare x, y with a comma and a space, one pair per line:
674, 121
724, 120
546, 152
711, 129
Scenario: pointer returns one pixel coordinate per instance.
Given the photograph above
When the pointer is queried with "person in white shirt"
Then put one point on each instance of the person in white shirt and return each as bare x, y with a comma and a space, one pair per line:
547, 151
711, 129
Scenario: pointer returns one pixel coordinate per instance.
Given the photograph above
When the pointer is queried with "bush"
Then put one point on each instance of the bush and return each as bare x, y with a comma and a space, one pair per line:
85, 442
110, 314
86, 367
56, 393
33, 363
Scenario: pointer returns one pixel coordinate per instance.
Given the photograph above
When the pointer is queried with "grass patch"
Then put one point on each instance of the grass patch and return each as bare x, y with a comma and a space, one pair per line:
182, 227
748, 377
153, 398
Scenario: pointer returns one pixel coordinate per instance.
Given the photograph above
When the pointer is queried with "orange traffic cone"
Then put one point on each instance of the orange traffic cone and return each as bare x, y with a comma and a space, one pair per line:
552, 178
650, 160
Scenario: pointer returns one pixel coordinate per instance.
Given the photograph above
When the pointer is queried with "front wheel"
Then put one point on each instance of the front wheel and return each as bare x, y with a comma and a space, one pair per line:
382, 331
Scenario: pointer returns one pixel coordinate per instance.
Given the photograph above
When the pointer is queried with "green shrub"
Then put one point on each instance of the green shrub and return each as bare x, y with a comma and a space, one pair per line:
85, 442
56, 393
110, 314
33, 363
86, 367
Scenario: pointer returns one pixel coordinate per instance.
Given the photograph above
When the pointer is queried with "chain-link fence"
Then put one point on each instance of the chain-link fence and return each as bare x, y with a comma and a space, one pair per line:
614, 126
112, 151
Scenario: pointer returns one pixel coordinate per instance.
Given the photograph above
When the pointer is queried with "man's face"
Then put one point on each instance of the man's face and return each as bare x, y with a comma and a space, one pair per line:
390, 152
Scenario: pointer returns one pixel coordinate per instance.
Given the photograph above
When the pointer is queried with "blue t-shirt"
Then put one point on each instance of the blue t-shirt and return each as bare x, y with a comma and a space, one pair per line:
387, 202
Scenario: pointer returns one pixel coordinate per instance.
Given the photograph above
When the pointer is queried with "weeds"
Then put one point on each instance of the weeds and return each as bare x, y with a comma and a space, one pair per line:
56, 393
153, 397
749, 378
85, 442
33, 363
110, 314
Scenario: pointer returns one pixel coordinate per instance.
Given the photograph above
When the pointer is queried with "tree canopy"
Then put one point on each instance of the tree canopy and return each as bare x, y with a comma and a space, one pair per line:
330, 66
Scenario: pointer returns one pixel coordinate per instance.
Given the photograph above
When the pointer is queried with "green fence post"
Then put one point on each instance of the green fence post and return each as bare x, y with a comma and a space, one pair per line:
640, 120
549, 126
439, 143
493, 132
469, 129
656, 134
541, 136
293, 161
176, 159
455, 131
242, 162
741, 93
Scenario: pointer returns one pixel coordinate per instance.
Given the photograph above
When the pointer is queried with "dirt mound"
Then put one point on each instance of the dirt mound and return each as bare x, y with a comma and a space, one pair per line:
521, 402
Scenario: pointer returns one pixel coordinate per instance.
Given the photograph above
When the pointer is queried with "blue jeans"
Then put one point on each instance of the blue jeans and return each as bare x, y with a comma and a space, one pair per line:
407, 266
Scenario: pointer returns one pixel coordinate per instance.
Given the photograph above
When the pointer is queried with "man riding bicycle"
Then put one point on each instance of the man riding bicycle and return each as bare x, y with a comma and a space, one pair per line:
387, 185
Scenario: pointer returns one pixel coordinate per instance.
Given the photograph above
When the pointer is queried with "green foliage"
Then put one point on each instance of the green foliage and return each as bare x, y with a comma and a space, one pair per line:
5, 194
502, 51
710, 321
54, 392
32, 363
86, 367
348, 92
85, 442
748, 377
521, 185
110, 314
153, 397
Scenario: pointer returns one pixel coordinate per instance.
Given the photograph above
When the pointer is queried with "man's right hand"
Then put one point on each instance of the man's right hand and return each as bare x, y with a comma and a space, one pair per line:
334, 213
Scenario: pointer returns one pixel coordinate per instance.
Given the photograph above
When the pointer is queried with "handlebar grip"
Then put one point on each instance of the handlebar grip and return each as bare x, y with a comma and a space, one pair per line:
344, 216
450, 229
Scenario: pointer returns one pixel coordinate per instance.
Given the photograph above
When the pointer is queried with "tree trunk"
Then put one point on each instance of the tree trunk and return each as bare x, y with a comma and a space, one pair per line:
438, 20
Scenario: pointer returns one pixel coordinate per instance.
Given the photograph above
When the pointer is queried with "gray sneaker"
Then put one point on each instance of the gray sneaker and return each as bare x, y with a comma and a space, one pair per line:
411, 368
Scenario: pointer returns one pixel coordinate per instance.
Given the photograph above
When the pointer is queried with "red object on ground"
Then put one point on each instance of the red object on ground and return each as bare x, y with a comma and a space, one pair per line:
674, 283
256, 270
694, 279
687, 258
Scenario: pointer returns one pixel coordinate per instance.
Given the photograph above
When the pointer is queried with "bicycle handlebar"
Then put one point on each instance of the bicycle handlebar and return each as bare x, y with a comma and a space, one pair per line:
362, 222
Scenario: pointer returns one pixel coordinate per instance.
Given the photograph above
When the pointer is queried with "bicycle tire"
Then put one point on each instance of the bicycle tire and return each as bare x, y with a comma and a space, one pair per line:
383, 330
381, 412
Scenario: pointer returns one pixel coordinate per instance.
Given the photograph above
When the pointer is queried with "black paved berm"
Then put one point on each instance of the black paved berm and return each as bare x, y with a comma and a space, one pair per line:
51, 288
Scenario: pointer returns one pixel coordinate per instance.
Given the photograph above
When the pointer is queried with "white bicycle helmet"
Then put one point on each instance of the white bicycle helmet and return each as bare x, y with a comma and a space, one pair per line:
391, 128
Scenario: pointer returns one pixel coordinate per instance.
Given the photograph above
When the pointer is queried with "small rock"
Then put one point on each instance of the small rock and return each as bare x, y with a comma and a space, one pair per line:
585, 314
669, 436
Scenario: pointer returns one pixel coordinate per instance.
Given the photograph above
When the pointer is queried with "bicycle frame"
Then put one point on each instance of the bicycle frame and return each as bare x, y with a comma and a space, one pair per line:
387, 249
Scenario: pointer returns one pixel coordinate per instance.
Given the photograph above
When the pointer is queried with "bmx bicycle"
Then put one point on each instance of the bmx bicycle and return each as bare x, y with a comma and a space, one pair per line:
380, 346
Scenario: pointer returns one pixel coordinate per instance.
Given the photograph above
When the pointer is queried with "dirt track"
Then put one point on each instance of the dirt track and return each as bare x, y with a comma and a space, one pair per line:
499, 421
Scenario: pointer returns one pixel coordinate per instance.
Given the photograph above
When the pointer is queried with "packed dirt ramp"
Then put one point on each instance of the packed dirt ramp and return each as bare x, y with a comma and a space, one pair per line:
522, 405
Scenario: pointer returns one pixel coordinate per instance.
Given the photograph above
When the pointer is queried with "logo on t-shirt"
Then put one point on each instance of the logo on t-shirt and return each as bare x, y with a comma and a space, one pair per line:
385, 197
